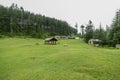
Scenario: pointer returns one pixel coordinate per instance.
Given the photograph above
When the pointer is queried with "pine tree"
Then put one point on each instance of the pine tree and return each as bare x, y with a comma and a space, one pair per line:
114, 34
76, 26
88, 31
82, 29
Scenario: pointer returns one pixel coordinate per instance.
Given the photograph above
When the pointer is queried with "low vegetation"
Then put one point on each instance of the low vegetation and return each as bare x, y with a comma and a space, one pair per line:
30, 59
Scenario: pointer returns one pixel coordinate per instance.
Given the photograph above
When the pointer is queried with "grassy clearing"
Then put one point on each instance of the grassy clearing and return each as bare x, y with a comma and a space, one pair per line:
21, 59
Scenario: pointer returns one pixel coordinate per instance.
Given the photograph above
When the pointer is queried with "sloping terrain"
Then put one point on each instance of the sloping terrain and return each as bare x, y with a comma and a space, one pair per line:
30, 59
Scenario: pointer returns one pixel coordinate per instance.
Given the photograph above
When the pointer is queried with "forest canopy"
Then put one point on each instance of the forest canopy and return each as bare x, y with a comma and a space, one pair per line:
15, 21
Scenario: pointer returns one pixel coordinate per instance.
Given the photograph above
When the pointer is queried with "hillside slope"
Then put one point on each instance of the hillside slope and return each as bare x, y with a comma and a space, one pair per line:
22, 59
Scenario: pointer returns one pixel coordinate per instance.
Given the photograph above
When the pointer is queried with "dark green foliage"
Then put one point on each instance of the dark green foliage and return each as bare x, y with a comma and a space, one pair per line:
15, 21
89, 31
100, 34
82, 29
109, 37
114, 33
92, 33
76, 26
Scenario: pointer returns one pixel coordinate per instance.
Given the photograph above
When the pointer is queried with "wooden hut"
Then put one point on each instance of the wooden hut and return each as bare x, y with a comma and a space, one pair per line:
51, 41
95, 42
118, 46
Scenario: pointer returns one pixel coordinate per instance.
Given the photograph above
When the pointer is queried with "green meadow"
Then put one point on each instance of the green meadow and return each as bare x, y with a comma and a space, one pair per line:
30, 59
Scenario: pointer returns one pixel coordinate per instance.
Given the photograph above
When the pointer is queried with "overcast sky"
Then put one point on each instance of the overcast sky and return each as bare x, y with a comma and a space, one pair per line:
72, 11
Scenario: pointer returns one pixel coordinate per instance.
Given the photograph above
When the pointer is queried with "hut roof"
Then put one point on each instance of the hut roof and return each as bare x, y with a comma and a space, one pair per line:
96, 40
51, 39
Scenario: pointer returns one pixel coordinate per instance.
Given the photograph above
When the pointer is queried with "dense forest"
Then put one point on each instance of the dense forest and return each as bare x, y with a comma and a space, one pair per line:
15, 21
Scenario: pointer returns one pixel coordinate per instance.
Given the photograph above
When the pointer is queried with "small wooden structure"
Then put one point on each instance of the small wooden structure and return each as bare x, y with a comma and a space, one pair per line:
51, 41
118, 46
95, 42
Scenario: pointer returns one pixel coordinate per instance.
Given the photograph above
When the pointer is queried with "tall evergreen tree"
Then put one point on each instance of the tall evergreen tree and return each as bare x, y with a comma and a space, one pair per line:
82, 29
76, 26
88, 31
114, 33
100, 34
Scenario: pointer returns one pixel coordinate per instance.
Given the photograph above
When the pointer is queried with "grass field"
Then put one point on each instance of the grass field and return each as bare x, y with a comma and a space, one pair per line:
22, 59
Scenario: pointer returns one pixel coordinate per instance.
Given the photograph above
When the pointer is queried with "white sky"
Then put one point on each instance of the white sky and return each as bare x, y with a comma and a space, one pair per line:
72, 11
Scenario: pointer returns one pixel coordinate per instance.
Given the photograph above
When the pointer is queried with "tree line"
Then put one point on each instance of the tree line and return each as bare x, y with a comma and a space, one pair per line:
15, 21
109, 36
